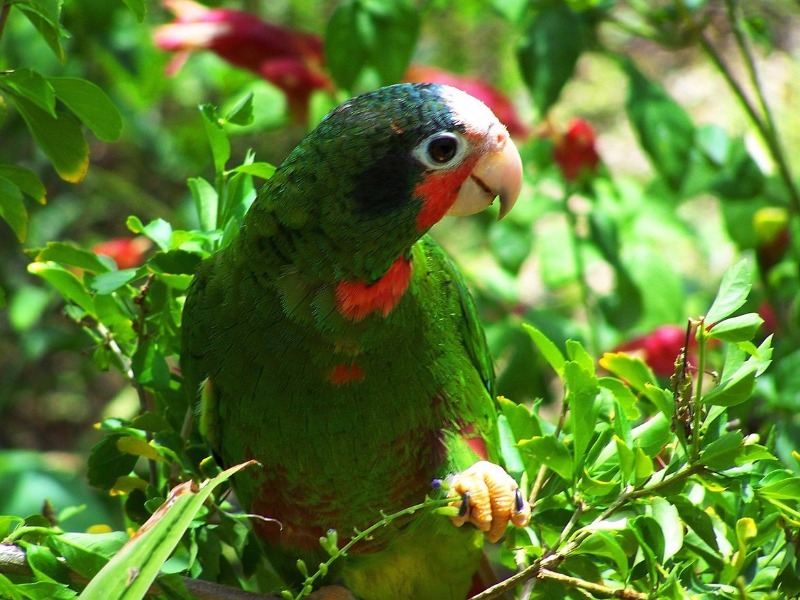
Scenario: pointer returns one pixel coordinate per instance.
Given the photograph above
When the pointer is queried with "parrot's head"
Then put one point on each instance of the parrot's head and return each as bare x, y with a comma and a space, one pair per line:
382, 168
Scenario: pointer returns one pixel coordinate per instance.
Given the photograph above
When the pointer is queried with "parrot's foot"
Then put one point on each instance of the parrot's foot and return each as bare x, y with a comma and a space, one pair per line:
489, 499
332, 592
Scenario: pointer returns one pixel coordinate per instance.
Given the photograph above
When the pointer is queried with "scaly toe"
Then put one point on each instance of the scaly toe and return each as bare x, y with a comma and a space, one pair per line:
489, 499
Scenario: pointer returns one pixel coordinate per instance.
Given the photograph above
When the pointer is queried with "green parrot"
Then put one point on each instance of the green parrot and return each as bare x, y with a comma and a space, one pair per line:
335, 342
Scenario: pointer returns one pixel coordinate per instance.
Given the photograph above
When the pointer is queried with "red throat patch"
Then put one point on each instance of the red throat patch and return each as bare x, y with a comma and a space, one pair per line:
438, 192
357, 300
343, 374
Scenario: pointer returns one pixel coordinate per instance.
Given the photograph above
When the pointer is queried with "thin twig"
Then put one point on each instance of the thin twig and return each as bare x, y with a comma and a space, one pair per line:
770, 131
594, 588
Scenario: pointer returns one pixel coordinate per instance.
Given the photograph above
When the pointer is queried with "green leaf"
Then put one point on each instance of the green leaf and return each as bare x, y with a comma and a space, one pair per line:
396, 28
667, 517
46, 590
175, 262
548, 349
345, 51
133, 569
652, 435
604, 543
721, 454
60, 138
733, 291
737, 329
577, 353
735, 389
138, 8
12, 209
81, 559
242, 112
549, 52
150, 368
548, 451
785, 489
623, 395
67, 284
90, 104
522, 421
107, 462
69, 254
665, 131
632, 370
206, 201
626, 459
258, 169
581, 395
158, 230
26, 180
45, 16
363, 34
107, 283
220, 146
29, 84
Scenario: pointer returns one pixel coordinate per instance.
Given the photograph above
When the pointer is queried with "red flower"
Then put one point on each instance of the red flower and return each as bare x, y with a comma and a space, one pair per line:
575, 151
494, 99
658, 349
771, 323
127, 252
290, 60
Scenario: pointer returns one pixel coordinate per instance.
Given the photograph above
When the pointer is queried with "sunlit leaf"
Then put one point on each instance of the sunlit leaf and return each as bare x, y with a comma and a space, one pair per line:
548, 451
90, 104
548, 349
60, 138
733, 291
133, 569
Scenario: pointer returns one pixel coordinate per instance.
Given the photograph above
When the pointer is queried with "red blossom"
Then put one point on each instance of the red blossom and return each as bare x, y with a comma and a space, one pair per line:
575, 152
659, 348
501, 106
771, 323
127, 252
291, 60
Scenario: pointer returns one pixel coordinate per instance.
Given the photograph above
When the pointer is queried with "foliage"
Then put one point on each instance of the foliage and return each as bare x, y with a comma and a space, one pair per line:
644, 483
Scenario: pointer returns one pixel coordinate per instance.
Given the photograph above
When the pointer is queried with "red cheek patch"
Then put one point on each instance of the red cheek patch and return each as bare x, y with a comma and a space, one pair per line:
439, 191
357, 300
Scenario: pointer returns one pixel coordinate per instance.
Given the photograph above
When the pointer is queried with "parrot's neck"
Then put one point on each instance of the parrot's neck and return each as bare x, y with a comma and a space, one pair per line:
356, 300
368, 276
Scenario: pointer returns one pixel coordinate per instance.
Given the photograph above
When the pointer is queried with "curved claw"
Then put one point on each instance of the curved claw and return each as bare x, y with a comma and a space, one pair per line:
489, 499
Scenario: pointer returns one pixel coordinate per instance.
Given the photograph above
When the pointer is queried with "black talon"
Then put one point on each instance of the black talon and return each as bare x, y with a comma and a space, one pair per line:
464, 508
519, 502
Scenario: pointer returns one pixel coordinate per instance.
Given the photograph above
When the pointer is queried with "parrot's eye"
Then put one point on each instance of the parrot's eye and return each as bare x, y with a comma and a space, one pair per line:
441, 150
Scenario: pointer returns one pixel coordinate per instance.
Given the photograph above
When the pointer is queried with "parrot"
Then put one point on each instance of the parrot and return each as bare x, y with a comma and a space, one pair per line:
336, 343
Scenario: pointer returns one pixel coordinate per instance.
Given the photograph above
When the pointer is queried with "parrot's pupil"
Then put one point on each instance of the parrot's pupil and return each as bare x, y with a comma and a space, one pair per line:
443, 149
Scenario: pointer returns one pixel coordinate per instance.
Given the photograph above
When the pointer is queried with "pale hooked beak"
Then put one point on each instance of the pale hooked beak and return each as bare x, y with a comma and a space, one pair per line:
498, 173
